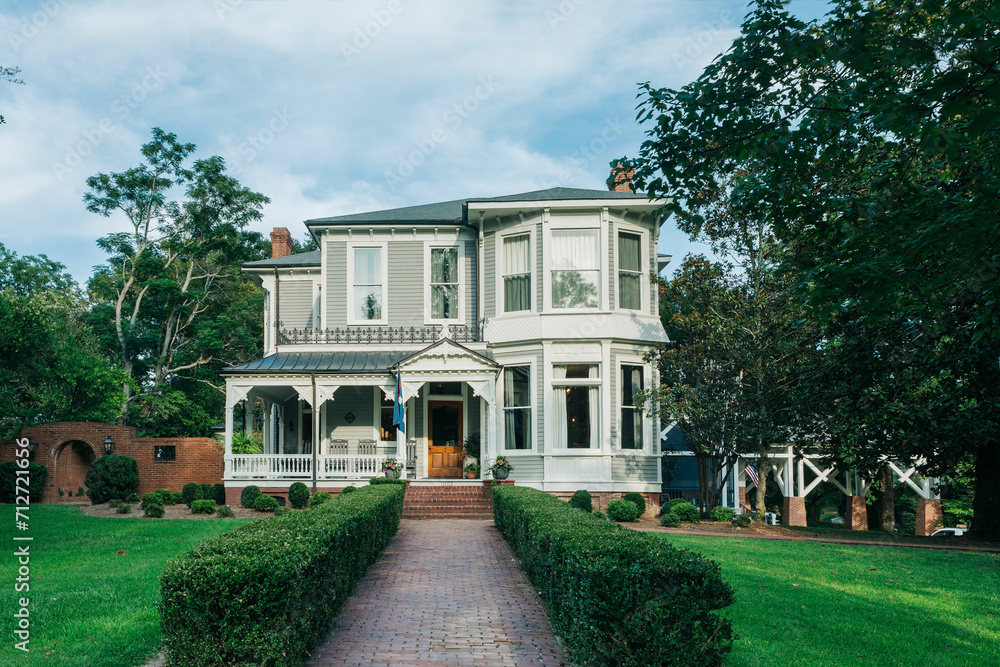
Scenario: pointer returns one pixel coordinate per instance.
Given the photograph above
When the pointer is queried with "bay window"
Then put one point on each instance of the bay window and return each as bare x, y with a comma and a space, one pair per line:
517, 273
517, 407
629, 271
575, 268
576, 403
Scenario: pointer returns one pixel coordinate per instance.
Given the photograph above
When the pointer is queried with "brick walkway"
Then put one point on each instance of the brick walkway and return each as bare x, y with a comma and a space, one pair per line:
429, 601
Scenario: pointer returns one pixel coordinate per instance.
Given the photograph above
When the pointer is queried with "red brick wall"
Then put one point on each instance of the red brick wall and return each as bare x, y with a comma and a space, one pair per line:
281, 242
600, 499
857, 513
198, 459
794, 511
929, 515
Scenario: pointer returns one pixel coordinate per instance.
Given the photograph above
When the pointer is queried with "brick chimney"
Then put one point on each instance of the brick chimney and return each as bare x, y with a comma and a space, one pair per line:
621, 182
281, 242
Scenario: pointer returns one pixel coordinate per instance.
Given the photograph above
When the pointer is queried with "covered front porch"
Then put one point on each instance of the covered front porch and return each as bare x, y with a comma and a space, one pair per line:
343, 401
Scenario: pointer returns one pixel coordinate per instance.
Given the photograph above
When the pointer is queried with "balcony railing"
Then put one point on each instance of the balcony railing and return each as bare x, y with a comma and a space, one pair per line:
299, 466
462, 333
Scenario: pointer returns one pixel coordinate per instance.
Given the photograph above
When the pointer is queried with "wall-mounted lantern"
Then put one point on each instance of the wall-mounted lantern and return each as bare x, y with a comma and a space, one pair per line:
32, 446
109, 445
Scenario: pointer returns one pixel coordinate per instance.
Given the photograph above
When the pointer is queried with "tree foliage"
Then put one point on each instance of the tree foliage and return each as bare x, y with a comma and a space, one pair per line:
869, 142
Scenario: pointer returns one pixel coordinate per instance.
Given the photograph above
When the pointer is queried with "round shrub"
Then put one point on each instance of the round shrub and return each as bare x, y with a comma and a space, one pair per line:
348, 489
320, 498
581, 500
298, 495
132, 498
151, 499
687, 512
637, 500
622, 510
248, 495
598, 514
192, 492
670, 520
208, 492
722, 514
265, 503
203, 506
218, 494
124, 508
112, 476
166, 496
153, 510
669, 507
743, 520
37, 476
225, 512
176, 497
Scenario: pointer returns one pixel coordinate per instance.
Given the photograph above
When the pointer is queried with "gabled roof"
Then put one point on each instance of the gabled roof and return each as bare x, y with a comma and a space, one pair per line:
304, 259
454, 347
452, 211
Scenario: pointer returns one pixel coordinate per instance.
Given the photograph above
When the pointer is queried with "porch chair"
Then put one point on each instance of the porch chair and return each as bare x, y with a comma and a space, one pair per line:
367, 447
411, 455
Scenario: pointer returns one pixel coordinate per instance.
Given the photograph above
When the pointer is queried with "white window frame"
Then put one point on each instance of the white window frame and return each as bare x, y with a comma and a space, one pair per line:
460, 247
531, 363
594, 221
317, 311
351, 247
644, 268
599, 382
533, 265
647, 420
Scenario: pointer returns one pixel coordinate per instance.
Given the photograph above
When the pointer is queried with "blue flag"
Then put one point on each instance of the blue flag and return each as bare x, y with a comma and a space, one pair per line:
399, 410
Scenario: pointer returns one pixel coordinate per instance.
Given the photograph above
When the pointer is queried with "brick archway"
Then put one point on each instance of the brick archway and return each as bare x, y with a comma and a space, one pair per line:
71, 460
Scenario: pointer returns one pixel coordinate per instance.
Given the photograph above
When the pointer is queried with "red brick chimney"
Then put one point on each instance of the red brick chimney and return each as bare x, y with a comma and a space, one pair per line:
281, 242
621, 181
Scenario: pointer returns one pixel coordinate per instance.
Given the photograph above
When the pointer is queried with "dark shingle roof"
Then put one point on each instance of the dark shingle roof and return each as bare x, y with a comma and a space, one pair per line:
322, 362
450, 211
311, 258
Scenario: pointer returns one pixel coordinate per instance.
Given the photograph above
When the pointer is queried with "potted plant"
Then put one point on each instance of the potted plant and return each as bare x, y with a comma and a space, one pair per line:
391, 468
472, 470
471, 447
501, 468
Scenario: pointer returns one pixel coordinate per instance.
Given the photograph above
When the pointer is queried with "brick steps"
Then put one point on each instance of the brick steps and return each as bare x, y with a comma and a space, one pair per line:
448, 502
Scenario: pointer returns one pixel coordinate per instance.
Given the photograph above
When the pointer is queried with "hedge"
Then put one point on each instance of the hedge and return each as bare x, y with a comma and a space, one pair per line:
267, 592
112, 476
616, 596
375, 481
37, 476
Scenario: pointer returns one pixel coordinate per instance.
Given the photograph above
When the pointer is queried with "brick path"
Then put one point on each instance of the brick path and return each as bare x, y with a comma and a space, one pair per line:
429, 601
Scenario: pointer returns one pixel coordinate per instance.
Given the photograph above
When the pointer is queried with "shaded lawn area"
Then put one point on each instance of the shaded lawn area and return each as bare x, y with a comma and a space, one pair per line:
857, 605
90, 606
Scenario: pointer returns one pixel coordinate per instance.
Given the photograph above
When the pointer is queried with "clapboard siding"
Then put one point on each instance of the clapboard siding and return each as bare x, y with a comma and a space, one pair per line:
634, 468
489, 275
527, 468
406, 283
336, 284
295, 304
358, 401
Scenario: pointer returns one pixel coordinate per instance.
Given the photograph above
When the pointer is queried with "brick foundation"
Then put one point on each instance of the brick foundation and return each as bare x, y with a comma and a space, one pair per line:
197, 460
856, 517
793, 512
600, 500
744, 505
929, 515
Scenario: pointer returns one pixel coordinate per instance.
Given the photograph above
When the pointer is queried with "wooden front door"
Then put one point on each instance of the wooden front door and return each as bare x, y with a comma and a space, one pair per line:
444, 438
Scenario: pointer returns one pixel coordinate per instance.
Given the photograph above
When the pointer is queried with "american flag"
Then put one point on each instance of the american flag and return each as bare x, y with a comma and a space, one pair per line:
751, 471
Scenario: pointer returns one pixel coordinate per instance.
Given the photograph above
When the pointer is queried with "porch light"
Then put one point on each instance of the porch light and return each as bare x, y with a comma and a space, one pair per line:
109, 445
32, 446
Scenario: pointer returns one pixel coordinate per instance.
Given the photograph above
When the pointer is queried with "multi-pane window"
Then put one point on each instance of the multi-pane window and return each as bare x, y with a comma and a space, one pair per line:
632, 422
576, 269
517, 407
368, 288
576, 403
444, 283
517, 273
629, 271
387, 430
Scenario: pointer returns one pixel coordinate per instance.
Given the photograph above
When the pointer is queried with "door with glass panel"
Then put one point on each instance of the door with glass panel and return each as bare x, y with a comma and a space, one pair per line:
444, 438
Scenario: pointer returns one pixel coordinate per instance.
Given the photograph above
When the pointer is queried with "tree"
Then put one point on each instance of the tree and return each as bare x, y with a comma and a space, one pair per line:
868, 139
9, 74
171, 301
28, 275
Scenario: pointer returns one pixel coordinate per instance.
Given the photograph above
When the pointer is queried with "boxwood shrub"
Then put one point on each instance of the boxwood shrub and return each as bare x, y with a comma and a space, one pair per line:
722, 514
37, 476
637, 500
687, 512
191, 492
218, 494
204, 506
319, 498
347, 489
616, 596
582, 501
153, 510
622, 510
375, 481
248, 495
112, 476
670, 520
265, 503
225, 512
298, 495
267, 592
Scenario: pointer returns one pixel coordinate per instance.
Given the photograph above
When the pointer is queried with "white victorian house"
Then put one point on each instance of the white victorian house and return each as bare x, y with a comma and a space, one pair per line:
521, 319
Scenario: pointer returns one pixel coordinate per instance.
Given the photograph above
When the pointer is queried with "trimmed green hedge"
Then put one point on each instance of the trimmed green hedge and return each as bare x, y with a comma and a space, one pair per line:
112, 476
266, 592
616, 596
375, 481
37, 476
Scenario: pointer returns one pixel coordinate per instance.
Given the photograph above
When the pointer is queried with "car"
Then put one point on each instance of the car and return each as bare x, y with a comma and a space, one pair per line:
949, 532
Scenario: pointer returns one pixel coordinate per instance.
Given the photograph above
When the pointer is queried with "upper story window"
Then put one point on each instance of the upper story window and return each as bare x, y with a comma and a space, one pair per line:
517, 407
444, 284
517, 273
632, 421
629, 271
367, 270
576, 402
575, 267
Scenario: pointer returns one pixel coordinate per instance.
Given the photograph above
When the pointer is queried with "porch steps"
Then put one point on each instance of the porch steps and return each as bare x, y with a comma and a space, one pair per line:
448, 502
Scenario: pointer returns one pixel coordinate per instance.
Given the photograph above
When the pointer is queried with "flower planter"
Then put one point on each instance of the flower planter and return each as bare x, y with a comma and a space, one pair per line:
470, 474
501, 473
391, 474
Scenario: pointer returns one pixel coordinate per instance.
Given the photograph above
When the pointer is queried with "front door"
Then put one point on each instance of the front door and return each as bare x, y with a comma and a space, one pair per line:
444, 442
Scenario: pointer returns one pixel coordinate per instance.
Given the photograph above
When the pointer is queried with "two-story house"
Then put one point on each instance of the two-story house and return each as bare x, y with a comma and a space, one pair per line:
522, 319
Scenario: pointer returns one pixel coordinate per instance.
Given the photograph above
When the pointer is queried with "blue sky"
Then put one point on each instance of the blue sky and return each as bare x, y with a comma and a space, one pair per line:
331, 107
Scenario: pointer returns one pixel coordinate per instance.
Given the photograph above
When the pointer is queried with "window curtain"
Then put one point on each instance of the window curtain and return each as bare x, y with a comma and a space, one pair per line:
575, 268
517, 273
629, 272
595, 411
560, 434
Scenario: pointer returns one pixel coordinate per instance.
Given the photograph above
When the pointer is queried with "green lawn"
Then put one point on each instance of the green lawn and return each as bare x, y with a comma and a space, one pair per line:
857, 605
90, 606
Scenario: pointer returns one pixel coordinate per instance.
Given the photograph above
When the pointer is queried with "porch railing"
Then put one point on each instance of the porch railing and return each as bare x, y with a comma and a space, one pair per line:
299, 466
462, 333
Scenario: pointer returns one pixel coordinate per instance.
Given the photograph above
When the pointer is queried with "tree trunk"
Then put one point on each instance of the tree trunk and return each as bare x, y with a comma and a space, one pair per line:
986, 503
886, 505
761, 492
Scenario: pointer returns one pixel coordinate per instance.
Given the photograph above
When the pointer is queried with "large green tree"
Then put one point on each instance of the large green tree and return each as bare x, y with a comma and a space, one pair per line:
869, 140
171, 303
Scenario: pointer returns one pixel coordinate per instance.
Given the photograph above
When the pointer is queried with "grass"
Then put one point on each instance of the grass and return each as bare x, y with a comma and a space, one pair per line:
857, 605
89, 605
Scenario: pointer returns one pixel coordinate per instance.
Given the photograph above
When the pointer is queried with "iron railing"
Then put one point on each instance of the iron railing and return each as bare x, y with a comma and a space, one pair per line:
462, 333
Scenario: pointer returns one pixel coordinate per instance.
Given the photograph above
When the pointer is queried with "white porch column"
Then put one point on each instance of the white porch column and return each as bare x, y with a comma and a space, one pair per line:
234, 394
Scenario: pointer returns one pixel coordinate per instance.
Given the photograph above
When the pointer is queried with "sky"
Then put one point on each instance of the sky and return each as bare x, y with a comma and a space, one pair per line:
331, 107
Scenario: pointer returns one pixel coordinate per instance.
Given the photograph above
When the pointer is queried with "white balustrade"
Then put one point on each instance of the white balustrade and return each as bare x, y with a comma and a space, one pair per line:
299, 466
